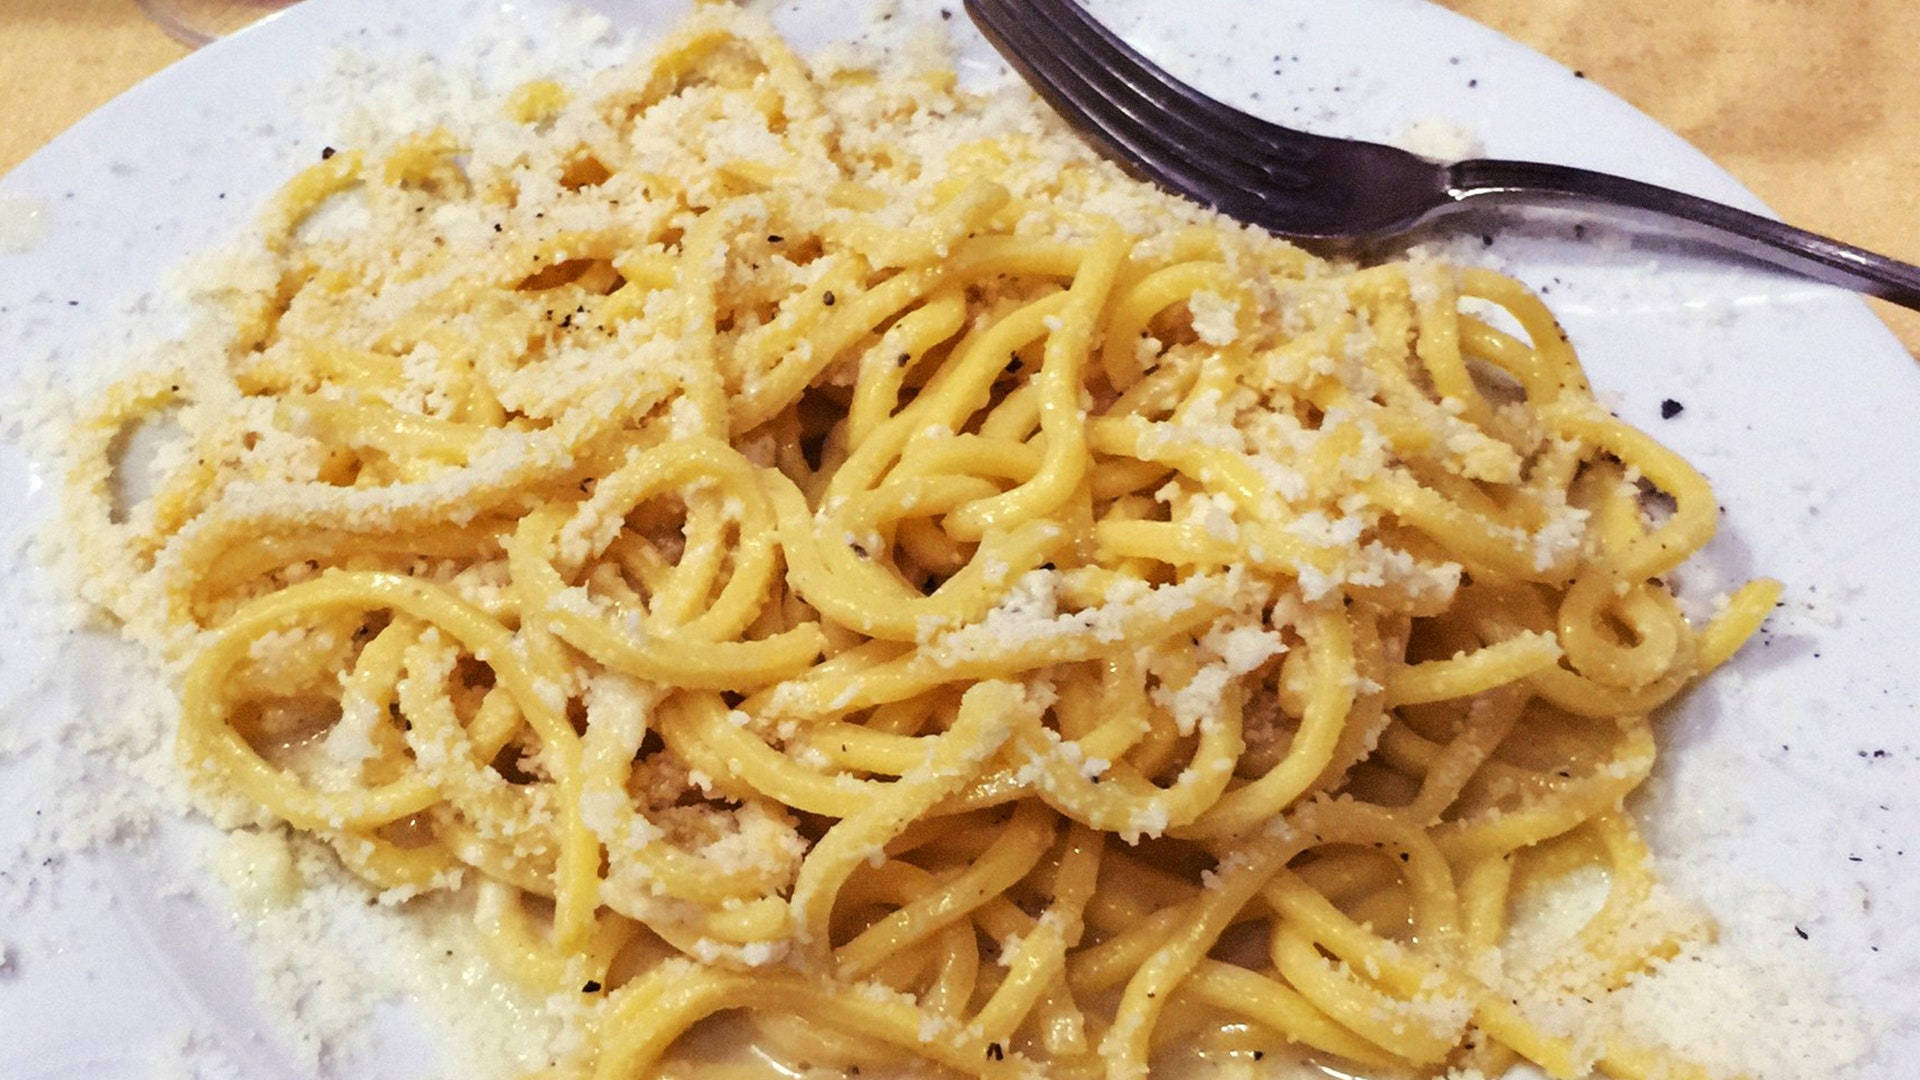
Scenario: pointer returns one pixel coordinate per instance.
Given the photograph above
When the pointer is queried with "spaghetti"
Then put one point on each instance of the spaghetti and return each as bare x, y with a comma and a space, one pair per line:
819, 544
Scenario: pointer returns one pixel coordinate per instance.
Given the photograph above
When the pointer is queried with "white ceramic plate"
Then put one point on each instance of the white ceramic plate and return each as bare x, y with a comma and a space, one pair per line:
1790, 789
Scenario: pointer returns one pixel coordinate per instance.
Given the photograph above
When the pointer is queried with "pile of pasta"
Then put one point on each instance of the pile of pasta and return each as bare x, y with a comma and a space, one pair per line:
813, 545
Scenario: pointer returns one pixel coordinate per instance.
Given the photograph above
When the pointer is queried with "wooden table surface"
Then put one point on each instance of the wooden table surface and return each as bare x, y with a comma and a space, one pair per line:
1814, 104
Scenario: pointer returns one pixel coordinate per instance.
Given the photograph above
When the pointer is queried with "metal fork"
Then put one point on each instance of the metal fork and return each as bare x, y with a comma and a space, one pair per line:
1313, 187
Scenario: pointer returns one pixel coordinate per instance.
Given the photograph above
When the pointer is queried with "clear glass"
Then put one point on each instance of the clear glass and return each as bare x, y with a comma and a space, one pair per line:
197, 22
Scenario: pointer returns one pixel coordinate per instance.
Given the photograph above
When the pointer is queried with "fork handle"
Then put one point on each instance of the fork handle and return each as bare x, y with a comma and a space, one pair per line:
1802, 252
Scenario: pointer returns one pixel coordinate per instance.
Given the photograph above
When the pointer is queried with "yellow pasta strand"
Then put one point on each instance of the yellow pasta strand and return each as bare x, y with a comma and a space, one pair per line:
927, 599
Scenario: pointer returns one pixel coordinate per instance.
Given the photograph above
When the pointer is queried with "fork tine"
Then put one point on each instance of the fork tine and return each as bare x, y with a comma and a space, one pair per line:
1215, 132
1112, 53
1114, 114
1064, 88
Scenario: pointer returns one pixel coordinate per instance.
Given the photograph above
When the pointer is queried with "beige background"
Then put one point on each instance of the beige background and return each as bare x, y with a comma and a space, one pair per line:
1815, 104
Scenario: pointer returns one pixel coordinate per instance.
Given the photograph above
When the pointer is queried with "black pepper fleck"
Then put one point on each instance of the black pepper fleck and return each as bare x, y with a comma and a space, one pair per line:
828, 298
1670, 409
1802, 933
591, 986
327, 152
